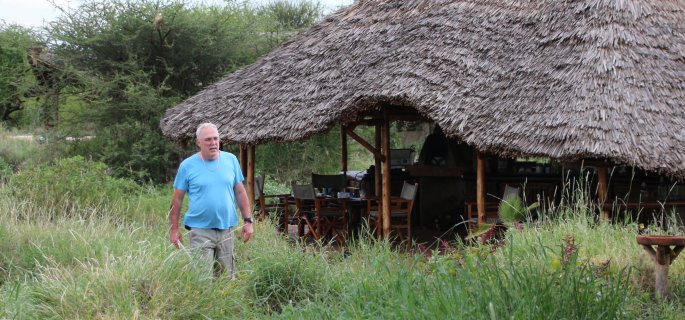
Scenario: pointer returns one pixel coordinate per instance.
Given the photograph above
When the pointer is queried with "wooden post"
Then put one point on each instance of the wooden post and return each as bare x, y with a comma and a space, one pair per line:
377, 163
662, 259
343, 149
663, 256
663, 262
250, 174
480, 187
242, 158
385, 137
602, 190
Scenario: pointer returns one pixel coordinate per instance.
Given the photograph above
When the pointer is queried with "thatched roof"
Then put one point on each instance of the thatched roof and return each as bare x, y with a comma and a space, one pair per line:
564, 79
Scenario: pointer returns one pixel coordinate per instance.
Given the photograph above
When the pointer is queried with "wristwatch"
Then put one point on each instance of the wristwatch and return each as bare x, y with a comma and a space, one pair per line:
248, 220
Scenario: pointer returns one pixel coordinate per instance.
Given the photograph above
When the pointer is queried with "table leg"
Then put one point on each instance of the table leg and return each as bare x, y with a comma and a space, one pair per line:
663, 257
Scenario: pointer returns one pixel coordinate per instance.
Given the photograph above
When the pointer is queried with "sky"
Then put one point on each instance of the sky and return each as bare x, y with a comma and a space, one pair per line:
33, 13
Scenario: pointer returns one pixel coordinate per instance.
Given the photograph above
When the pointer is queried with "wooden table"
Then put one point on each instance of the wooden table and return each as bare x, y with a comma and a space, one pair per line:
663, 256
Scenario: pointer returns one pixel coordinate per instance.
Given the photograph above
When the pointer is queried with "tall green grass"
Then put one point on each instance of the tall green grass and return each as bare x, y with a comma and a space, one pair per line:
58, 261
76, 187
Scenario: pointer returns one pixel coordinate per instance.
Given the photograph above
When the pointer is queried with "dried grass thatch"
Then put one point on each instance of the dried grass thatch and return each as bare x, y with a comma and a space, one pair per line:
564, 79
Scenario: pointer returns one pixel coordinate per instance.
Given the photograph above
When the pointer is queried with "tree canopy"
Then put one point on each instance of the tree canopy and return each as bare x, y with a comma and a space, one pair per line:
118, 65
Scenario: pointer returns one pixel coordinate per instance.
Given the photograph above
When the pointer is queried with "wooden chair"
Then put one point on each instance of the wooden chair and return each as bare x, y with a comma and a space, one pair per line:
277, 203
400, 211
323, 217
491, 214
491, 207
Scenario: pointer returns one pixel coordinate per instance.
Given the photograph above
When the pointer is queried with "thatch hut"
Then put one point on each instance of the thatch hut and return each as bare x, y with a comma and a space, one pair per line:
598, 79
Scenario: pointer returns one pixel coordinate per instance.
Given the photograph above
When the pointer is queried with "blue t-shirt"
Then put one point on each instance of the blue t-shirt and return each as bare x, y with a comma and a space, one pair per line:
210, 188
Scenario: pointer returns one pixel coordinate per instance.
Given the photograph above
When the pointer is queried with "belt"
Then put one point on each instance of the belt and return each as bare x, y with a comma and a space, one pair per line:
217, 229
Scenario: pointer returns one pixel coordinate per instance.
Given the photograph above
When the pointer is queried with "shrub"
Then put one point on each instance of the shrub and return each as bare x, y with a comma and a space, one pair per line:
73, 185
5, 170
511, 209
13, 151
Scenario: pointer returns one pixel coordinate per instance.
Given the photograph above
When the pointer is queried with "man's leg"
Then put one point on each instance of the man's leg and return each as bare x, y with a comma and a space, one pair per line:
224, 252
203, 243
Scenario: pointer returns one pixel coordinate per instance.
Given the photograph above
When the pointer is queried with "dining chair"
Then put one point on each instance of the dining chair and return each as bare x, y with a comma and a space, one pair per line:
491, 207
323, 216
400, 211
329, 184
269, 203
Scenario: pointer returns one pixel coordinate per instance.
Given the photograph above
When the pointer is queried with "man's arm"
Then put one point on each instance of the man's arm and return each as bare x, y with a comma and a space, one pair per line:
245, 211
174, 212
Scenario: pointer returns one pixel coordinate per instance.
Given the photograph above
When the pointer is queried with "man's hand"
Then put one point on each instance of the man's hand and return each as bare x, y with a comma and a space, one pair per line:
175, 237
248, 230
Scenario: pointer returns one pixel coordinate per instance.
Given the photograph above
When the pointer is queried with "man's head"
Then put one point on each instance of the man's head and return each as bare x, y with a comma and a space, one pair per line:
207, 138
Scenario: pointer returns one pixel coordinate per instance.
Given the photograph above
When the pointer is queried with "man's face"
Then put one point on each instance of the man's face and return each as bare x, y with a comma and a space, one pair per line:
208, 141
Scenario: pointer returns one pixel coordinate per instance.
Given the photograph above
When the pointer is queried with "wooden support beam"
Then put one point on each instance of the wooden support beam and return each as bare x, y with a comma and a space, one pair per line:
343, 150
377, 162
250, 174
663, 263
242, 158
602, 190
385, 142
480, 187
375, 150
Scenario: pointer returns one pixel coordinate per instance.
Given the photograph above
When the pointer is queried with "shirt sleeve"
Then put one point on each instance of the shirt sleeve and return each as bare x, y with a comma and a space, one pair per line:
238, 172
181, 180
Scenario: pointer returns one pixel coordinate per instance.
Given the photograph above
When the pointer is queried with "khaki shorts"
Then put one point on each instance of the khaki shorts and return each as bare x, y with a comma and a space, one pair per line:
215, 249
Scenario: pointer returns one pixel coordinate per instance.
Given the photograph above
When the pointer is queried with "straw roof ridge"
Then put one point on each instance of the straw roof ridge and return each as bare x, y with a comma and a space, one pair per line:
565, 79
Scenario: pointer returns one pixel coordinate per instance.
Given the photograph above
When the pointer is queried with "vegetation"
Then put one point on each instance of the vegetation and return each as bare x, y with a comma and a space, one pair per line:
107, 70
59, 260
15, 80
83, 228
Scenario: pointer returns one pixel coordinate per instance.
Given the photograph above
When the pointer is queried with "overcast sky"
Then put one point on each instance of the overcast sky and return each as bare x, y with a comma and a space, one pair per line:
32, 13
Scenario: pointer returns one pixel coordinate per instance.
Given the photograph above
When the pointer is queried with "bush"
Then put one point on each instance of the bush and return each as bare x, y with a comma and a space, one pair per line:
5, 170
135, 151
511, 209
74, 185
14, 152
288, 280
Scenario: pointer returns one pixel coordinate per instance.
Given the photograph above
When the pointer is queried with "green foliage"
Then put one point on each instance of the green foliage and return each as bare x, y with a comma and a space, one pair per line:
280, 19
99, 268
134, 151
15, 151
15, 78
74, 268
511, 209
147, 280
291, 15
177, 46
5, 171
321, 153
287, 281
120, 64
74, 183
130, 60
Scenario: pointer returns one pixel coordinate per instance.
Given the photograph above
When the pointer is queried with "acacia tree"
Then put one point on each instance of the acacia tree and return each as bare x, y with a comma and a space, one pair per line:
135, 59
282, 18
16, 81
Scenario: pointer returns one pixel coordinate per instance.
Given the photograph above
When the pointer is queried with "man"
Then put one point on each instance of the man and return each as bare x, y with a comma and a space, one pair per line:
213, 181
